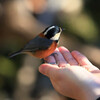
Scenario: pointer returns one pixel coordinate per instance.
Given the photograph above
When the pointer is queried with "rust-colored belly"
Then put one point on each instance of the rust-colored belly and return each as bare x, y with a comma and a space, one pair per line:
45, 53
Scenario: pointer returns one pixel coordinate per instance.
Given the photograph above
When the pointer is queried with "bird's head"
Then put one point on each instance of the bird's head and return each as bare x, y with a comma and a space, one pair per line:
52, 33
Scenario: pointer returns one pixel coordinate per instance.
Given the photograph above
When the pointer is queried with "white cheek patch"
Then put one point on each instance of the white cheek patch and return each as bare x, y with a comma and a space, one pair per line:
56, 37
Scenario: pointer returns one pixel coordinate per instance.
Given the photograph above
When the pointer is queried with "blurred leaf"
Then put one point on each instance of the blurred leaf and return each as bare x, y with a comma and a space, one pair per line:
84, 26
1, 82
7, 68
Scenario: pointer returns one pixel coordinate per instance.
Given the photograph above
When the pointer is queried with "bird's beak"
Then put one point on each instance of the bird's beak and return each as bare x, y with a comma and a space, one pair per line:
63, 29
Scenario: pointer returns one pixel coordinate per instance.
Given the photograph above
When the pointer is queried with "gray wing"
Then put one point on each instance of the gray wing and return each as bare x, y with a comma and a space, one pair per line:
38, 43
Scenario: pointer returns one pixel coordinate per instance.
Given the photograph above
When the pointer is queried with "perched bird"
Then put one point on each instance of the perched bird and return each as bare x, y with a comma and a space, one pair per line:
42, 45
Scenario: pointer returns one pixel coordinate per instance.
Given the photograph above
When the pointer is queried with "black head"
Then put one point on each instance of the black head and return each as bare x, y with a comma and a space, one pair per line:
52, 32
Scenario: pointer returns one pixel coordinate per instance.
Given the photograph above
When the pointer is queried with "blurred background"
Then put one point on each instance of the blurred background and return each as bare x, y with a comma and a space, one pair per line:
22, 20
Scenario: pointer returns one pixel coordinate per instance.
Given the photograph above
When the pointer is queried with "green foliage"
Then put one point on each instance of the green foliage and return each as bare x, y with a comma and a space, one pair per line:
7, 67
83, 26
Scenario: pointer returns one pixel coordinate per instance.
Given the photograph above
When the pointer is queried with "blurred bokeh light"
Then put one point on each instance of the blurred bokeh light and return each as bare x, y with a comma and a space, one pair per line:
21, 20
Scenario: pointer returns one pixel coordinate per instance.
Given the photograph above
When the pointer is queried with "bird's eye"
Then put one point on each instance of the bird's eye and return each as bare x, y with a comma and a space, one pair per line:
51, 31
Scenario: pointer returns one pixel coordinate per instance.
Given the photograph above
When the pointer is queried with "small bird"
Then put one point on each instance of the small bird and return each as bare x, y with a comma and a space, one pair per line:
42, 45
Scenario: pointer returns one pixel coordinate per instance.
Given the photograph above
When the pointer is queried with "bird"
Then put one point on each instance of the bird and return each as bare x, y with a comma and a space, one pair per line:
43, 44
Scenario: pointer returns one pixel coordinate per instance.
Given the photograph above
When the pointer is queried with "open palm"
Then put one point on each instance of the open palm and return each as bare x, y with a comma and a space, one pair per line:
72, 74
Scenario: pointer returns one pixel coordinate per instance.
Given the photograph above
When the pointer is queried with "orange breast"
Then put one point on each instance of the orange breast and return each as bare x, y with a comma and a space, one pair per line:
45, 53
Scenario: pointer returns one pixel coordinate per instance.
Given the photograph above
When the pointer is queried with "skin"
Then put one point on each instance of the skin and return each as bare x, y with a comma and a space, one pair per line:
72, 74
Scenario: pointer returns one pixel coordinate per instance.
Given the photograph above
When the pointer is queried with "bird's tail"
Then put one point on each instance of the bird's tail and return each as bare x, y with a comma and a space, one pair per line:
15, 53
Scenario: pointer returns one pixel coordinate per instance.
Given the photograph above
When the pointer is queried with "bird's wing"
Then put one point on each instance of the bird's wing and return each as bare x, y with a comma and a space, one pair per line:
38, 43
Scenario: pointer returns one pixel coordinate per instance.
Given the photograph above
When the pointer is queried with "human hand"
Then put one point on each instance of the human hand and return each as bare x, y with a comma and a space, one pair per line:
73, 75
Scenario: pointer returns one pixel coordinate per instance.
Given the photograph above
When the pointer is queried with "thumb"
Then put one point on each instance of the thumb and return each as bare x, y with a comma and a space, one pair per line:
48, 69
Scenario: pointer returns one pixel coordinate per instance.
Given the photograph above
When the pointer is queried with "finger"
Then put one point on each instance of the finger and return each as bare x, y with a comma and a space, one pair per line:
96, 73
83, 61
67, 55
59, 58
50, 59
48, 69
91, 68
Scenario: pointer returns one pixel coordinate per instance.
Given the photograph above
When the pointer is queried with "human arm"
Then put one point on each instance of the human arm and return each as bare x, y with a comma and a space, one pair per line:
73, 75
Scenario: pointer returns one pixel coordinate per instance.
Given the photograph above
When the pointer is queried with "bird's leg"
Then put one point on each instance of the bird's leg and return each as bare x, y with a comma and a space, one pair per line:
45, 59
53, 54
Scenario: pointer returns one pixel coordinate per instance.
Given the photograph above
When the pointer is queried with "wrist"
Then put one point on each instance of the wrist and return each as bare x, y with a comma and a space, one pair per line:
93, 94
90, 92
98, 98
